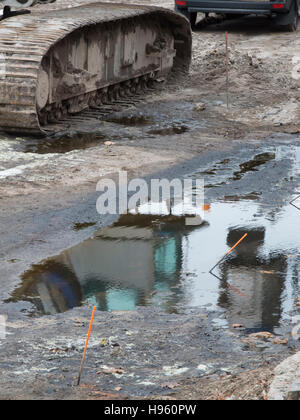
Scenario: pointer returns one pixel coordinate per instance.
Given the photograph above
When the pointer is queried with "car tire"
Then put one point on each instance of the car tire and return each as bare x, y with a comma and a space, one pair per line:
231, 16
292, 27
191, 16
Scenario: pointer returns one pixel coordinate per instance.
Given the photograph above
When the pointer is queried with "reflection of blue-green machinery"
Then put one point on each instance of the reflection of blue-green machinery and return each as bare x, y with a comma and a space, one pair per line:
119, 269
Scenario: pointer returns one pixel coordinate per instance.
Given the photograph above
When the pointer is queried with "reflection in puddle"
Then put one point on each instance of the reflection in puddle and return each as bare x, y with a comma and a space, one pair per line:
119, 269
157, 260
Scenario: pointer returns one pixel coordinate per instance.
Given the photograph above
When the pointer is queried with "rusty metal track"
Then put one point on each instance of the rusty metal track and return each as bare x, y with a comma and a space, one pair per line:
26, 39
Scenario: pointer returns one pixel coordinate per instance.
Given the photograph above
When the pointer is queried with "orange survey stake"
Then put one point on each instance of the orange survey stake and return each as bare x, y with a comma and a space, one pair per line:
231, 249
238, 242
86, 344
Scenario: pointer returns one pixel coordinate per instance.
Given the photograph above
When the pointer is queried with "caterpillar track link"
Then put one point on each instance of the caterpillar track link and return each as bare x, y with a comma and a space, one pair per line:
66, 57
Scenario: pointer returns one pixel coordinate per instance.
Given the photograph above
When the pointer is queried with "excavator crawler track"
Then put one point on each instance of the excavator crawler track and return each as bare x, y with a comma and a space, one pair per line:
65, 58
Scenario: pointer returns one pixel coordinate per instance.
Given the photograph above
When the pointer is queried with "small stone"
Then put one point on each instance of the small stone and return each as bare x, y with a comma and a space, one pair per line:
264, 335
200, 106
108, 143
237, 326
278, 340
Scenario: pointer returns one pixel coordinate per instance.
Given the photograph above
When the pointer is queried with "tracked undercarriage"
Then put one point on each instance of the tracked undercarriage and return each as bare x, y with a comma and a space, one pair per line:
66, 57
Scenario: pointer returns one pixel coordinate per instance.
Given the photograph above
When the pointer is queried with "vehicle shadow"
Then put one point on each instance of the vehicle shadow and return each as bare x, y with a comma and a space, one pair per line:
247, 25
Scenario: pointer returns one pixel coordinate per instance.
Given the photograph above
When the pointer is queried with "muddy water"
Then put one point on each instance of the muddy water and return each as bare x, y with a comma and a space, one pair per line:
157, 260
63, 144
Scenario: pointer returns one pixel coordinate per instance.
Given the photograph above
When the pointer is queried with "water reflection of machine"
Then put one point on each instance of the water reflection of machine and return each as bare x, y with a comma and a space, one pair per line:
260, 281
118, 269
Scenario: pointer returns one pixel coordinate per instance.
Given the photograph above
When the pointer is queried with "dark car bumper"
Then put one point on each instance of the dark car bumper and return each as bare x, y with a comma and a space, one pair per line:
239, 7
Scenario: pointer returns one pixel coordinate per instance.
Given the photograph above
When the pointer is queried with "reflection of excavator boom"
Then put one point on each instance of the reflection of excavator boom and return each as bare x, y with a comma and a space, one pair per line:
64, 57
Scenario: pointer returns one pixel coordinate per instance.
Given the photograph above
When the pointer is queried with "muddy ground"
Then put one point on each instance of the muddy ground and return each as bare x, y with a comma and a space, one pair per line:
46, 187
263, 96
143, 354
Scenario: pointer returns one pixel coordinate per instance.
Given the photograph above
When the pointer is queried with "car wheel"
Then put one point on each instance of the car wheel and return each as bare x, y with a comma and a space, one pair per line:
230, 16
292, 27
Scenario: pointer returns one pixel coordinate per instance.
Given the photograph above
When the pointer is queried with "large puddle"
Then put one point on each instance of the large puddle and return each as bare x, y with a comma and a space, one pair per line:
153, 260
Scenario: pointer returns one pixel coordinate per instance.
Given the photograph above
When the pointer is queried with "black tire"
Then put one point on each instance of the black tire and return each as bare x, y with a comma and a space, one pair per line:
292, 26
231, 16
191, 16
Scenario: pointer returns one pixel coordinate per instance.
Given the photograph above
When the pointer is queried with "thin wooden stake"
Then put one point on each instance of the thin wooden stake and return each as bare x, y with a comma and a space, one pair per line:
227, 70
86, 344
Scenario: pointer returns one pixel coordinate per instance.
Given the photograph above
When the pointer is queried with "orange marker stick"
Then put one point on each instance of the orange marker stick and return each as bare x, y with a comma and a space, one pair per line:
86, 344
238, 242
234, 246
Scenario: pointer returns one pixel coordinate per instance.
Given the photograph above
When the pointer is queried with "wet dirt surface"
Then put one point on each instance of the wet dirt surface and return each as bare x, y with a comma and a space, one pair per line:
172, 270
264, 270
255, 287
61, 144
119, 363
47, 212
